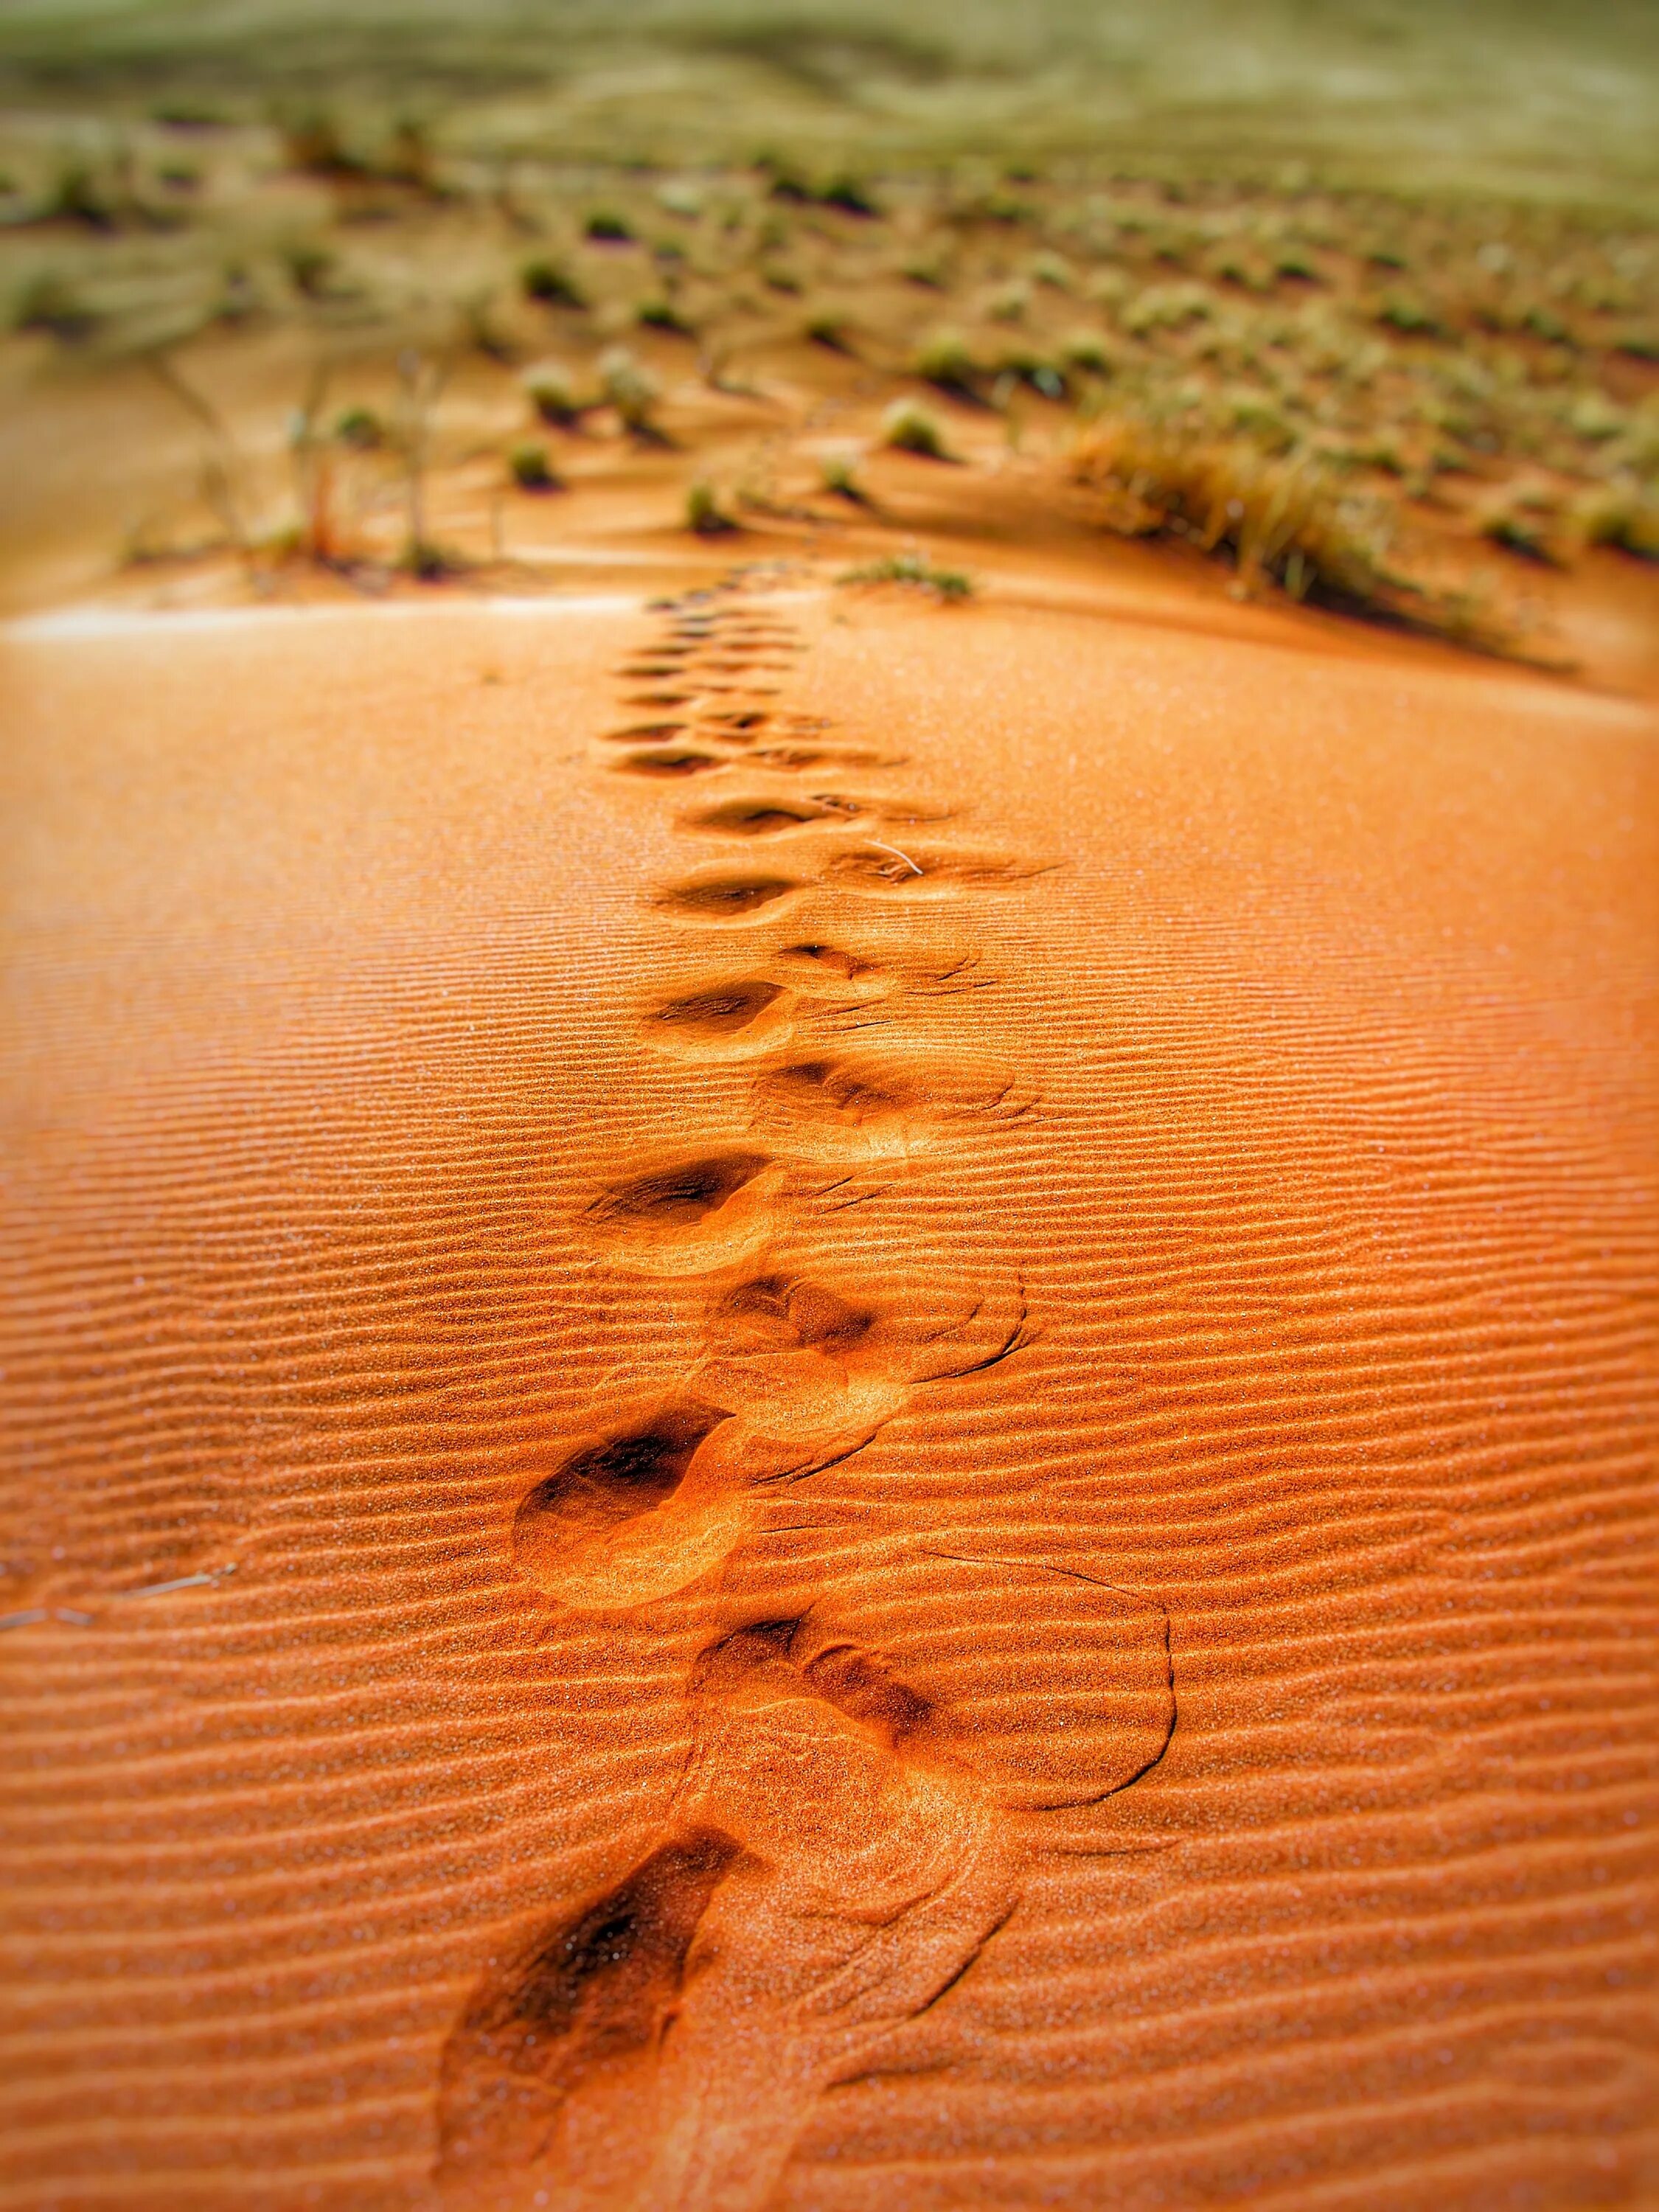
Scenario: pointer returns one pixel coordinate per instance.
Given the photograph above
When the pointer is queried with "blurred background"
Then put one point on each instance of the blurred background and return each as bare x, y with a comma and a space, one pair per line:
1389, 264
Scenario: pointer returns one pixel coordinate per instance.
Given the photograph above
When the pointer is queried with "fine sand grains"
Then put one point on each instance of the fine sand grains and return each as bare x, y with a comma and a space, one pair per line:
876, 1724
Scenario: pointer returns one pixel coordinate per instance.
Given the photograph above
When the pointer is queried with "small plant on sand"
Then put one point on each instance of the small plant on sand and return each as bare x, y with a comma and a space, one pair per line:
662, 314
849, 193
838, 474
945, 358
551, 391
606, 227
630, 388
704, 512
1623, 514
314, 145
908, 428
361, 428
531, 469
918, 572
827, 329
550, 285
1526, 521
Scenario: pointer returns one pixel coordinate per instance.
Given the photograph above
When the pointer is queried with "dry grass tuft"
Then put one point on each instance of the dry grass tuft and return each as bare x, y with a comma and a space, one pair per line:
915, 570
1285, 522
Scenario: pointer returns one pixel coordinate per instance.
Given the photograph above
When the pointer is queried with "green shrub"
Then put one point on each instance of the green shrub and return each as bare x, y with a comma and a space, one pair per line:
630, 388
550, 285
551, 391
531, 471
704, 513
915, 569
908, 428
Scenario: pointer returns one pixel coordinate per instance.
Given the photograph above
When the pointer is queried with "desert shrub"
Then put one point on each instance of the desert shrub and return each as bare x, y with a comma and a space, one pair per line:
945, 358
916, 570
1623, 514
550, 284
1526, 522
662, 314
551, 391
630, 388
838, 474
606, 227
314, 145
908, 428
1285, 521
704, 512
827, 329
848, 193
47, 302
531, 471
359, 428
1087, 350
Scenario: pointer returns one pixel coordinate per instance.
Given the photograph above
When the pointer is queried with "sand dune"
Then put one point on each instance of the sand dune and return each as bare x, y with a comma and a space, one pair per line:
823, 1403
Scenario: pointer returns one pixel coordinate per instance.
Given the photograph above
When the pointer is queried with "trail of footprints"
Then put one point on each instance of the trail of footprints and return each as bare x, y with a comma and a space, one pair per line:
882, 1728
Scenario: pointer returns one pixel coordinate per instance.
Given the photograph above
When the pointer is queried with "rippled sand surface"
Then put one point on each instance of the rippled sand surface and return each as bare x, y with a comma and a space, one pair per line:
816, 1403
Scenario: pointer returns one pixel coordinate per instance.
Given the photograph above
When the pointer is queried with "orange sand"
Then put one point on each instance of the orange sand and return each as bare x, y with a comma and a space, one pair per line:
924, 1341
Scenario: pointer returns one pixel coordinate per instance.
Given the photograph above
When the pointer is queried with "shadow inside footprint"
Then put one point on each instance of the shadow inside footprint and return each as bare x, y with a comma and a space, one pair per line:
826, 970
721, 1011
689, 1214
724, 898
759, 817
607, 1483
878, 1108
636, 734
729, 1021
670, 762
592, 1997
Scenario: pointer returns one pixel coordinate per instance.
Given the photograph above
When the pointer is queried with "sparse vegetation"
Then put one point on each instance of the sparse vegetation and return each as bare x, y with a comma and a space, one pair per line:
915, 570
1388, 386
704, 512
838, 472
531, 469
631, 390
908, 428
551, 391
550, 284
1286, 523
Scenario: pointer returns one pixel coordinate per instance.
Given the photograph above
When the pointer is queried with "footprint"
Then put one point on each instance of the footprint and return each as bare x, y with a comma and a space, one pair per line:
640, 1513
847, 1105
1043, 1687
726, 898
799, 1360
722, 1021
690, 1214
791, 760
738, 724
882, 870
671, 761
829, 971
798, 1356
650, 733
644, 1512
757, 818
872, 1764
585, 2006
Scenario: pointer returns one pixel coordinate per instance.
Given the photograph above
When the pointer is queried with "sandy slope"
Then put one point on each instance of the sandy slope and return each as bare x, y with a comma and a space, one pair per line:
896, 1369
